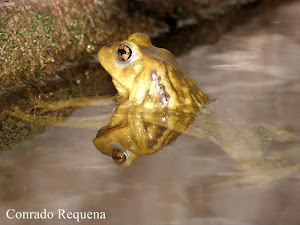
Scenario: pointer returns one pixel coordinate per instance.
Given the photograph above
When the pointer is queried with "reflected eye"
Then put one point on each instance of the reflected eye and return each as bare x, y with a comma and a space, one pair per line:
119, 156
124, 53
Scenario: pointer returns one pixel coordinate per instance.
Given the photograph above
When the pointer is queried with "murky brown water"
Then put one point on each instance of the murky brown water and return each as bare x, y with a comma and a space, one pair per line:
253, 70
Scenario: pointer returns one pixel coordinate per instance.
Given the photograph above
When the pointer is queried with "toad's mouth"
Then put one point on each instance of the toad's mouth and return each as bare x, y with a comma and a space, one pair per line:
118, 84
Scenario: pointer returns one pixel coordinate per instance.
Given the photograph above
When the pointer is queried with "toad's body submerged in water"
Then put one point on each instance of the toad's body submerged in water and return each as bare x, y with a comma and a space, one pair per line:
149, 76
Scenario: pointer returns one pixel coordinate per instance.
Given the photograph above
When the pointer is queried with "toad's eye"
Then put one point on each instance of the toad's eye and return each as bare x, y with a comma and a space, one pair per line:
124, 53
119, 156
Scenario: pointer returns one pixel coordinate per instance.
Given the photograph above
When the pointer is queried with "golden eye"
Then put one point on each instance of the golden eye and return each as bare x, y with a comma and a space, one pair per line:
119, 156
124, 53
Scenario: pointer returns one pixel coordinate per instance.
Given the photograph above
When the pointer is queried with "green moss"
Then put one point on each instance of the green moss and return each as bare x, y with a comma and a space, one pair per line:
78, 26
56, 48
54, 40
13, 44
38, 15
4, 37
75, 93
46, 20
35, 25
20, 33
35, 22
27, 65
2, 24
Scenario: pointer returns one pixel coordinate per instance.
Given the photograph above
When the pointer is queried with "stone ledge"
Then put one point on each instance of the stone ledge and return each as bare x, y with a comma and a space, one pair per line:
36, 37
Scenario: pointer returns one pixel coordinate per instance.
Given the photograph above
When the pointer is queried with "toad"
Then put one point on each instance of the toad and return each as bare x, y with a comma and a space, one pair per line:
148, 76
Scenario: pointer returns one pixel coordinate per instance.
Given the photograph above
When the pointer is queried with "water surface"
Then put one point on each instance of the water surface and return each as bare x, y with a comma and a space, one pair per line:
252, 70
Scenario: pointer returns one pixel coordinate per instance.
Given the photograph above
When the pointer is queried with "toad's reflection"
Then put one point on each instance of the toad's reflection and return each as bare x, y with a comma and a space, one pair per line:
133, 132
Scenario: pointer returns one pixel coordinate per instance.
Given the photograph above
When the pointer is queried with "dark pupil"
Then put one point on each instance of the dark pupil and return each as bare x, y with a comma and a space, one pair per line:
122, 51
